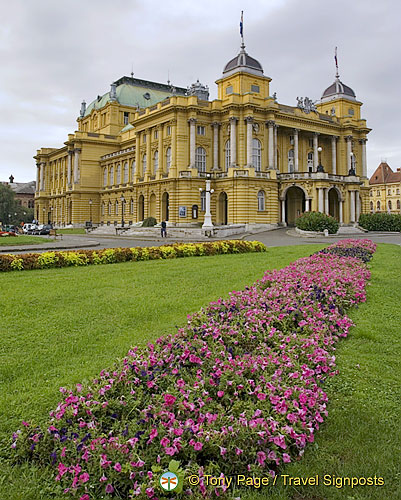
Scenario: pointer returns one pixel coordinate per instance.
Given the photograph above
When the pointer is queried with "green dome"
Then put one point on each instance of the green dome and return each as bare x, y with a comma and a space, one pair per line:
135, 93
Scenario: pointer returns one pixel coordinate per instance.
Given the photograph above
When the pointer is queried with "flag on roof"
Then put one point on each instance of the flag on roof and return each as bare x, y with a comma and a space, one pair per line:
241, 24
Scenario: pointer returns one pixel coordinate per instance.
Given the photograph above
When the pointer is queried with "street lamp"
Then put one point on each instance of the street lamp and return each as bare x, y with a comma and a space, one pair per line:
208, 224
51, 216
90, 211
122, 199
352, 169
320, 166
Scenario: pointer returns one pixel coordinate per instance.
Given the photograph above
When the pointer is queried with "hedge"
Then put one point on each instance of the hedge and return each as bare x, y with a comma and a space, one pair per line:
45, 260
380, 222
317, 221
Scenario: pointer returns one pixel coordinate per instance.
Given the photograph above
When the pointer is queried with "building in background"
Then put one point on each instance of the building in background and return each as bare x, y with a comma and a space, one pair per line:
146, 149
24, 192
385, 190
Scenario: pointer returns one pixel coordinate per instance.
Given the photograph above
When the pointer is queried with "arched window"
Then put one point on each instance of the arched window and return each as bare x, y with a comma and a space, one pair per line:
144, 159
105, 176
168, 159
125, 172
227, 154
112, 176
390, 205
291, 160
256, 154
118, 174
378, 205
398, 191
200, 159
398, 205
261, 201
116, 208
156, 161
203, 201
378, 192
371, 193
389, 192
371, 206
133, 166
310, 162
131, 206
109, 208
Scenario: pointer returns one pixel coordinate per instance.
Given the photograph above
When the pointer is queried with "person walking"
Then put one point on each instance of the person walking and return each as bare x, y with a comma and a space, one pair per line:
164, 229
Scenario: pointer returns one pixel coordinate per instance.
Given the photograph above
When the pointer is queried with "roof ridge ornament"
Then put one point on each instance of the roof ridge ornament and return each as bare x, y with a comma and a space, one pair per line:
336, 61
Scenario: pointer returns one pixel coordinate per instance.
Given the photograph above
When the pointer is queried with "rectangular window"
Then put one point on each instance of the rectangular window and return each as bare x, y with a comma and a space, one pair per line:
291, 139
311, 143
255, 88
126, 117
144, 138
229, 90
156, 134
201, 130
168, 130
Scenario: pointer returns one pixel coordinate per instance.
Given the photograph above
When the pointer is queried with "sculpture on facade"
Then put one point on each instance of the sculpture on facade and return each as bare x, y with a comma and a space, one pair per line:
306, 105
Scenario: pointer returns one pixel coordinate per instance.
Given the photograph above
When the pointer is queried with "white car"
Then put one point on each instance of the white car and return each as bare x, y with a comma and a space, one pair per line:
29, 228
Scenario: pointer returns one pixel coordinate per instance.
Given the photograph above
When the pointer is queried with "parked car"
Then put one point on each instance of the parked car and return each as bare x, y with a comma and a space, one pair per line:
31, 229
28, 227
45, 229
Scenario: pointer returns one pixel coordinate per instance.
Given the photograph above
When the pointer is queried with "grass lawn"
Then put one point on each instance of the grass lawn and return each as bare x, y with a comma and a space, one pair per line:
72, 230
21, 239
62, 326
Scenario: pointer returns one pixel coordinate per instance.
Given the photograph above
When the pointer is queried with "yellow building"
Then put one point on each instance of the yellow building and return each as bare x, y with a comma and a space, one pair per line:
385, 190
146, 149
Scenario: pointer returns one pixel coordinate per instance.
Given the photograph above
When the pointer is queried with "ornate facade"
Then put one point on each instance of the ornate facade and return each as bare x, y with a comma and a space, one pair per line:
145, 149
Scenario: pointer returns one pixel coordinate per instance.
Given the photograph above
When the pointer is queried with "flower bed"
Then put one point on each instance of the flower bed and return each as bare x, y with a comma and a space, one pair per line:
238, 390
9, 262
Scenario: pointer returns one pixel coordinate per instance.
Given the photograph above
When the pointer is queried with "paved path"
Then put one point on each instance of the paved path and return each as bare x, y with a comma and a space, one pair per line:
276, 238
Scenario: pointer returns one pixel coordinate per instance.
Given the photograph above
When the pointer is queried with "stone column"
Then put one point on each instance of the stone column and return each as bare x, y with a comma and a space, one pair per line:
341, 211
364, 162
37, 177
42, 176
138, 159
215, 146
249, 125
207, 224
69, 167
320, 199
348, 138
352, 206
296, 155
275, 146
76, 165
283, 211
192, 142
149, 159
334, 155
307, 205
270, 124
315, 151
326, 201
173, 166
233, 141
160, 150
358, 206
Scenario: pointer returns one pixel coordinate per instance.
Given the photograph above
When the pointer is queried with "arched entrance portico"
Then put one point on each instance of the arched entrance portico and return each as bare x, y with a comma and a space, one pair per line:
294, 204
222, 209
165, 206
334, 203
152, 205
141, 208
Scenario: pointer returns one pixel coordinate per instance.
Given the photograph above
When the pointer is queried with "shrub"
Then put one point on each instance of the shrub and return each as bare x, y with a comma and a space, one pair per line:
238, 389
380, 222
149, 222
317, 221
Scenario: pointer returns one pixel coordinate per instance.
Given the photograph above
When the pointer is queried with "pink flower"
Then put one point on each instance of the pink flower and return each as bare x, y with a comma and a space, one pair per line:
164, 442
169, 450
84, 497
223, 451
103, 479
109, 488
286, 458
169, 399
220, 394
117, 467
261, 458
261, 396
84, 478
198, 446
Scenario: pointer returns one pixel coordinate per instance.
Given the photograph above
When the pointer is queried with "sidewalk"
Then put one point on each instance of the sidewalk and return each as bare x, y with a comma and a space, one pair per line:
52, 245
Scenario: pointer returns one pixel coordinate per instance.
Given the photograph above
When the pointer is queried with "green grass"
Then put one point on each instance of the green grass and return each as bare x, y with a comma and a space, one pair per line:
62, 326
72, 230
21, 239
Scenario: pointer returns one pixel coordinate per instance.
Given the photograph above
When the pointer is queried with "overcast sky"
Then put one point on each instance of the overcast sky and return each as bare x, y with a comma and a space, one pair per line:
54, 54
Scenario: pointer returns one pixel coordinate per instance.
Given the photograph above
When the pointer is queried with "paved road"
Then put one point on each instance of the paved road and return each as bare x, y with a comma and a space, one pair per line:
276, 238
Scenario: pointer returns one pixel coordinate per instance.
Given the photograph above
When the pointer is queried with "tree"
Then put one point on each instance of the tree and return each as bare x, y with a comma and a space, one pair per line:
11, 212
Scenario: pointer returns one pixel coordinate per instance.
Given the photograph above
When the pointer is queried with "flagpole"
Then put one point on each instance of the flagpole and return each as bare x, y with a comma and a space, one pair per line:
241, 29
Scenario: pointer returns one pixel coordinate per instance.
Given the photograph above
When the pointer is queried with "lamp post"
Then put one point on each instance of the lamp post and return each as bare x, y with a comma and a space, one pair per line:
352, 169
122, 199
208, 224
51, 216
320, 166
90, 211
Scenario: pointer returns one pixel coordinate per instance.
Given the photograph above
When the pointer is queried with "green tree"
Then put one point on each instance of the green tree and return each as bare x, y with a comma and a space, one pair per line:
7, 204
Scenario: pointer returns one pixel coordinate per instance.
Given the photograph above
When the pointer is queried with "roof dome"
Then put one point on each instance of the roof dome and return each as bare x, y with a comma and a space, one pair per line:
338, 89
243, 62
